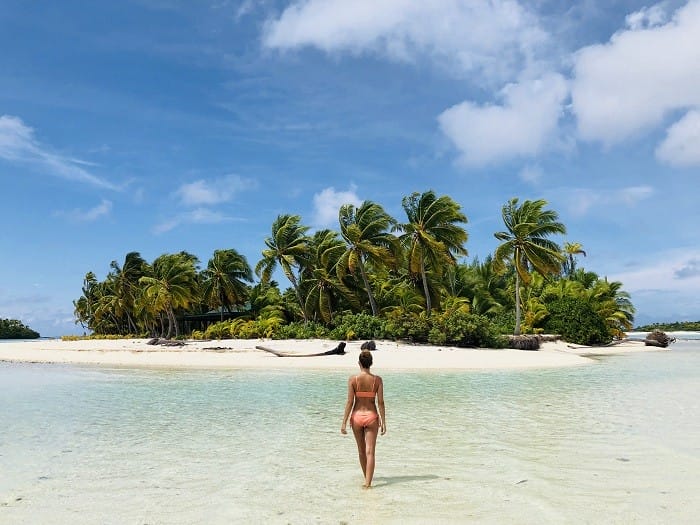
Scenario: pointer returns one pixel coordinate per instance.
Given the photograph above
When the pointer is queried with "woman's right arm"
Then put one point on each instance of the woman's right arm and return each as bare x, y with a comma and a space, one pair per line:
348, 406
380, 403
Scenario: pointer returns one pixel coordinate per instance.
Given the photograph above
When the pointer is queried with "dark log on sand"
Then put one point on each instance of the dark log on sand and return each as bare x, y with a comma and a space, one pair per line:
165, 342
524, 342
659, 338
338, 350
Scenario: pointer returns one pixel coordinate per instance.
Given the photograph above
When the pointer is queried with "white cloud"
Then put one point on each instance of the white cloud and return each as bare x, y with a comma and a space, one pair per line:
216, 191
640, 77
17, 144
579, 202
520, 127
689, 270
677, 270
327, 203
681, 147
531, 174
101, 210
490, 36
647, 17
665, 287
195, 216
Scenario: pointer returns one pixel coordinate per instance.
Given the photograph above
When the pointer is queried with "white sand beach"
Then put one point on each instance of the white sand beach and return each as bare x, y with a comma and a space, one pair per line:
243, 354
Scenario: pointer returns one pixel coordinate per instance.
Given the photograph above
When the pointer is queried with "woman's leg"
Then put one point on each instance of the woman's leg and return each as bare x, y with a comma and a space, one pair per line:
370, 439
359, 433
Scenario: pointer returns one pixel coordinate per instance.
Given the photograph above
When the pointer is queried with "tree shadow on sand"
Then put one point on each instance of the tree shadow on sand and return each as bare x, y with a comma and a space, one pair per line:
393, 480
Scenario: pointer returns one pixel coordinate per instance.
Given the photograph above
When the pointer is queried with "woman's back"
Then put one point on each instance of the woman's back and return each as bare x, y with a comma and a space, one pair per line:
366, 386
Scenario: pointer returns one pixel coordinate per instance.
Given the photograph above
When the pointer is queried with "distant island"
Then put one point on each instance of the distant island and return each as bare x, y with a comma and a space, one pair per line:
14, 329
678, 326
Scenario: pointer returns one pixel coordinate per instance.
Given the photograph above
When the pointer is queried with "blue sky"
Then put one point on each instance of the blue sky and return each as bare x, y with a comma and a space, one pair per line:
165, 125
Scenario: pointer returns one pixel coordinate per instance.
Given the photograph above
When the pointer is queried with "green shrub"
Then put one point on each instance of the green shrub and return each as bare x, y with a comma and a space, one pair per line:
300, 330
504, 322
197, 334
401, 324
220, 330
358, 326
459, 328
576, 322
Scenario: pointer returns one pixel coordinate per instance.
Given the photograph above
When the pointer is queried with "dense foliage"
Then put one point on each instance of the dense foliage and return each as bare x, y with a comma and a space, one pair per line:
375, 277
678, 326
14, 329
576, 321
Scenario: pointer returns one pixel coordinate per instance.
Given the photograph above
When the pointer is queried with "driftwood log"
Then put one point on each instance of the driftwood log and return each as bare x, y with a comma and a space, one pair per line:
659, 338
165, 342
338, 350
524, 342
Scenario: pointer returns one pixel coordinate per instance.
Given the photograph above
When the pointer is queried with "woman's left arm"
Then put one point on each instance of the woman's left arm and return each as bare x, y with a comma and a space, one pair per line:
348, 406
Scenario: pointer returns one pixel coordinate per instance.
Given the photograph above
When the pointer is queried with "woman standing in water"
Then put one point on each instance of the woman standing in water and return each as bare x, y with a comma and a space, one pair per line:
365, 421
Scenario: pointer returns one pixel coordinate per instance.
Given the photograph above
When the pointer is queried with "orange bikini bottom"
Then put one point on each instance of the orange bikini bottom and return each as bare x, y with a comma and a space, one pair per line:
363, 419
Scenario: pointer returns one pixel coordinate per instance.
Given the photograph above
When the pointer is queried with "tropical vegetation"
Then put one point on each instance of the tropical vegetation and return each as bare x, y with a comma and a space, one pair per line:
15, 329
677, 326
375, 276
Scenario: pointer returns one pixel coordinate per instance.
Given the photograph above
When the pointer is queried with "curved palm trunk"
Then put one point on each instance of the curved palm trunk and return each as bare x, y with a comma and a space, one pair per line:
221, 301
293, 280
426, 290
172, 323
372, 301
517, 303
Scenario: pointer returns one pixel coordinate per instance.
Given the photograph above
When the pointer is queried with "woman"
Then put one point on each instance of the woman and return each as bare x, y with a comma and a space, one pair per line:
365, 421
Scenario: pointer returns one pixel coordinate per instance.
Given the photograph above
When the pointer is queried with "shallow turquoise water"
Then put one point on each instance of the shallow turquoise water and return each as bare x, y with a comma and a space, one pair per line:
614, 442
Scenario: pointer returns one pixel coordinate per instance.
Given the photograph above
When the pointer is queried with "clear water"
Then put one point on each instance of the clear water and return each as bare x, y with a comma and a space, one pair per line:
614, 442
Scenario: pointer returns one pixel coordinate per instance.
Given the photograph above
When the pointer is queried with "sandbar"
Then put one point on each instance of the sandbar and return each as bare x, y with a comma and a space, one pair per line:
241, 353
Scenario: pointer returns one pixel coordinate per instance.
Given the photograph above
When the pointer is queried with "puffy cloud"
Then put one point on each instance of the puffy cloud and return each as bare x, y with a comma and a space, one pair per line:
327, 203
642, 75
689, 270
677, 270
666, 286
647, 17
519, 127
216, 191
489, 35
17, 144
681, 147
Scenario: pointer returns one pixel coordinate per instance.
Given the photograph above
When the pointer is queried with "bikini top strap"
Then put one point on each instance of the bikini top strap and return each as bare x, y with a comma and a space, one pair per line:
374, 384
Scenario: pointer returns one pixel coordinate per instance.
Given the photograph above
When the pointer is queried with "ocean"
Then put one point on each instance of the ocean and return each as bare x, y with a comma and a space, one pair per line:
614, 442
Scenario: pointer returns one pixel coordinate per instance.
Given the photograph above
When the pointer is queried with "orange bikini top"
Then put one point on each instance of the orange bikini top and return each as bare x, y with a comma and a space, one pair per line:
362, 393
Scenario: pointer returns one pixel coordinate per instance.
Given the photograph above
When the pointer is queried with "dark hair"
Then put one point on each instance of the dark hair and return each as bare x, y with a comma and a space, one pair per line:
365, 359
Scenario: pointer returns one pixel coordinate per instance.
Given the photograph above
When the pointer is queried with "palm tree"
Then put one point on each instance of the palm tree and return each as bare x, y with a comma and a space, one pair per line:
365, 232
612, 304
432, 236
571, 250
288, 247
172, 286
84, 306
525, 244
321, 285
224, 280
125, 284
